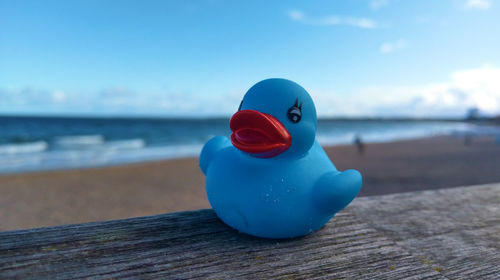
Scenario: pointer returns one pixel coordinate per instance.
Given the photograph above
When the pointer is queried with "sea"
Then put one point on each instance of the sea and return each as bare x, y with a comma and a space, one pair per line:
49, 143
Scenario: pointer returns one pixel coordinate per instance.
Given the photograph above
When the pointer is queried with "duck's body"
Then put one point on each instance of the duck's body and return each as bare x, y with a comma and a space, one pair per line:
282, 195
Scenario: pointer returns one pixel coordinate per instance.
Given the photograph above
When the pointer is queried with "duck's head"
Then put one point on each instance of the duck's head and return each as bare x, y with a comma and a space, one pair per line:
276, 116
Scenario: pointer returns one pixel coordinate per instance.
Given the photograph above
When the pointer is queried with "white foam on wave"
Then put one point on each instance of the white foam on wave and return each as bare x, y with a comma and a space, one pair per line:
93, 150
64, 159
480, 130
393, 132
125, 144
152, 153
80, 140
23, 148
337, 139
9, 162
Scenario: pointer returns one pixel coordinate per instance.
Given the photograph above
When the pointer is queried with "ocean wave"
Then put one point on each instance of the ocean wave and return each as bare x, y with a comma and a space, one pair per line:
479, 130
80, 140
376, 133
118, 146
151, 153
64, 159
24, 148
9, 162
125, 144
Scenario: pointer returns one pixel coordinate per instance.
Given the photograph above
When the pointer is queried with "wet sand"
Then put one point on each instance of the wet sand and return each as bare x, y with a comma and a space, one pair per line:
74, 196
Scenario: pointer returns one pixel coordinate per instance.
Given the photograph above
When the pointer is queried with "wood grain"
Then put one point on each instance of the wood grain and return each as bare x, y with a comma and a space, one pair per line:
445, 234
455, 231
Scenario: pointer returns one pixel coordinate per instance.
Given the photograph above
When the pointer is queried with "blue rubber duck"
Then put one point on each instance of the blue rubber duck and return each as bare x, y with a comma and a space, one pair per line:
272, 179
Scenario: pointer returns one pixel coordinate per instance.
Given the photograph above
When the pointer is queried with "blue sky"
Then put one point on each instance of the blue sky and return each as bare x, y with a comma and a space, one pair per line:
198, 58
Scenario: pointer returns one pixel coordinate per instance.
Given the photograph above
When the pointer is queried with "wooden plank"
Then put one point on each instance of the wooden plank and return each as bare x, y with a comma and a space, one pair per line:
192, 245
444, 234
455, 231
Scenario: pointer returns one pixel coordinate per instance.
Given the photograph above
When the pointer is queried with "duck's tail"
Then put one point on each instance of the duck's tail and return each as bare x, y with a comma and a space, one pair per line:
335, 190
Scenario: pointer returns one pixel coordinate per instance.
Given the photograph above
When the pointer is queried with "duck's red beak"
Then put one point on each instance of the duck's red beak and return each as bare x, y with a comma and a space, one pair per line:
259, 134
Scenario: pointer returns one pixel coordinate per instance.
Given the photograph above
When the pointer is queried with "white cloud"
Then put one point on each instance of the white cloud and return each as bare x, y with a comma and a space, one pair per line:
478, 87
117, 101
377, 4
478, 4
300, 16
389, 47
58, 96
296, 15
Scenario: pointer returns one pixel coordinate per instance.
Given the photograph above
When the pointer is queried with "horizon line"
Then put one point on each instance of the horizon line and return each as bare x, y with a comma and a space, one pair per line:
226, 117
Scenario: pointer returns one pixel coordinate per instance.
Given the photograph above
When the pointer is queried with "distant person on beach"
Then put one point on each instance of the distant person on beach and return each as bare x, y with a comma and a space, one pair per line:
468, 139
359, 144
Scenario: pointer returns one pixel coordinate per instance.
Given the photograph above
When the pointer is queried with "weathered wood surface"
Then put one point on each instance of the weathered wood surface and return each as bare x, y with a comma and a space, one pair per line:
445, 234
455, 231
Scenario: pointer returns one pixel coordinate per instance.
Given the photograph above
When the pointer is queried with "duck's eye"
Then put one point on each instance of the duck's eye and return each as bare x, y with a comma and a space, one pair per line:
295, 114
241, 103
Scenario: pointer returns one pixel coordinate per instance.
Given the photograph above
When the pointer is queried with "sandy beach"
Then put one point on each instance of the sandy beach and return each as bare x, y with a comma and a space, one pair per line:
74, 196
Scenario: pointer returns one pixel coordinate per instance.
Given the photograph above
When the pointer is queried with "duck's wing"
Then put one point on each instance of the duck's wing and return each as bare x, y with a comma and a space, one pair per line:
335, 190
210, 150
